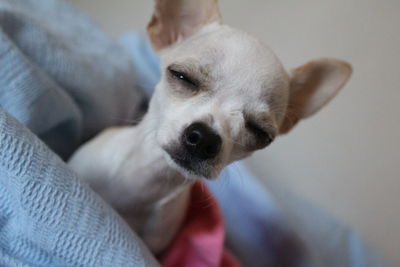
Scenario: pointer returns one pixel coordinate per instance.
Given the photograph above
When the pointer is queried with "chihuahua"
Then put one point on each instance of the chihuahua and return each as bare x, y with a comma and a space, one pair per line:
222, 95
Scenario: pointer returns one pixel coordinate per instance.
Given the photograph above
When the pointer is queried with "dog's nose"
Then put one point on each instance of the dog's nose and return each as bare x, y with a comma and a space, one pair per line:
201, 141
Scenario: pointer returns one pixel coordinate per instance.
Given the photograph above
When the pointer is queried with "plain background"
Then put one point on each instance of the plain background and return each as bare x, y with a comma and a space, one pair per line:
346, 159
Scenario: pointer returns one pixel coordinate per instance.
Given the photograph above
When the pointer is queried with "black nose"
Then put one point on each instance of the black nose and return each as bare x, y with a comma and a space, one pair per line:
201, 141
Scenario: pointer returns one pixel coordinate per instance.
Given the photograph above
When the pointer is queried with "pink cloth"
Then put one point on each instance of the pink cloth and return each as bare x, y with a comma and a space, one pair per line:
200, 242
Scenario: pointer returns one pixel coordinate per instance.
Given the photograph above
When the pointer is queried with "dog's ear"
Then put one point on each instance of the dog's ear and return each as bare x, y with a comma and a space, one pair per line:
175, 20
311, 87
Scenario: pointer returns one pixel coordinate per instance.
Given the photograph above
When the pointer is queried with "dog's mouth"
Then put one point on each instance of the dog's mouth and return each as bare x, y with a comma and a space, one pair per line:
182, 162
190, 166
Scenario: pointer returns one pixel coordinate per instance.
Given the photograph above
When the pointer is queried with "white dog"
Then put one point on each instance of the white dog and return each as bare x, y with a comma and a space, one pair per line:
223, 94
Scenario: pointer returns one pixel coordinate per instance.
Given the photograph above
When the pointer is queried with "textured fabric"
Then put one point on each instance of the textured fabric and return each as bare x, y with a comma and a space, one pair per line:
201, 240
48, 218
52, 58
65, 80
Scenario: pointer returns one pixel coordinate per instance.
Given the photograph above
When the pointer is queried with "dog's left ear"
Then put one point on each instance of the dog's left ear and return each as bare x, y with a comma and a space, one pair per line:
311, 87
175, 20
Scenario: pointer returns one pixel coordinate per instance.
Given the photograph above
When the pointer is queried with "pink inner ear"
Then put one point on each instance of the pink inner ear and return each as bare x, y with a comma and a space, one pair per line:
313, 85
316, 83
175, 20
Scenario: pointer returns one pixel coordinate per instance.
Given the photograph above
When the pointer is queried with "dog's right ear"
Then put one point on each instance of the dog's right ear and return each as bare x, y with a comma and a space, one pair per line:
175, 20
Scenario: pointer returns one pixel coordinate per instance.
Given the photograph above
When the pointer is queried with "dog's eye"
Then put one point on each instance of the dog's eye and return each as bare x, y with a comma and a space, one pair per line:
261, 135
183, 77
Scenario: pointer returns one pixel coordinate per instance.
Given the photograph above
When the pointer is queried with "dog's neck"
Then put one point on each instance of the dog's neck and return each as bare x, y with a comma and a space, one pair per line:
130, 171
140, 166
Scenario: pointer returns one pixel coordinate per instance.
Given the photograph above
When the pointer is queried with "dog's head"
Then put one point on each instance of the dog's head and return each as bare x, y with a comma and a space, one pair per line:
223, 94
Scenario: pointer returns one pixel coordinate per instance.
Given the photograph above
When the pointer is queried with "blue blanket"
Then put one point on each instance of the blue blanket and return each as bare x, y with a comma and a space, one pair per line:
62, 80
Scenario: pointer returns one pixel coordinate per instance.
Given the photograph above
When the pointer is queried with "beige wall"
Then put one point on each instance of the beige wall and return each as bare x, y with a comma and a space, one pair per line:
347, 158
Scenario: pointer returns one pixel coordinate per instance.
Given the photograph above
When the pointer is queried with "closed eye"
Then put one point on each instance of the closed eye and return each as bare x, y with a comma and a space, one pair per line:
183, 77
262, 136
